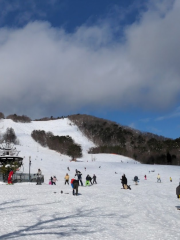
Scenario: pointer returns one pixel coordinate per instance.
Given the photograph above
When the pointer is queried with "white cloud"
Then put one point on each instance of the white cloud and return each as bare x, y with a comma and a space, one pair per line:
44, 70
173, 114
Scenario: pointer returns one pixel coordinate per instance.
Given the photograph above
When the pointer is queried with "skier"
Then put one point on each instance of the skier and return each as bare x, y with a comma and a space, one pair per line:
158, 178
66, 179
145, 177
170, 179
68, 169
94, 179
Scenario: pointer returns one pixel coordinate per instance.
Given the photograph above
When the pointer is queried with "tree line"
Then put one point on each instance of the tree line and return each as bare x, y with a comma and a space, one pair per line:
62, 144
111, 137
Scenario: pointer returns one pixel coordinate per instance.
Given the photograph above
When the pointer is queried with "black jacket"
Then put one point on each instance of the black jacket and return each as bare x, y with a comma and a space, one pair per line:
135, 178
124, 180
75, 183
178, 190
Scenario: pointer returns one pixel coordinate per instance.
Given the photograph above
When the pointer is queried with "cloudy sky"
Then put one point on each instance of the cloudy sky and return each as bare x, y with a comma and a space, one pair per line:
118, 60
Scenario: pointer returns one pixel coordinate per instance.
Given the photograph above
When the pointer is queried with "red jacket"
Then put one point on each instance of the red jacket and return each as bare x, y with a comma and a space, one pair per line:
72, 180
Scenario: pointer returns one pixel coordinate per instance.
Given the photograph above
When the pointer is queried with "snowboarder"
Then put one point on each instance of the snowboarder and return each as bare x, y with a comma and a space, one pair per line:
170, 179
94, 179
66, 179
158, 178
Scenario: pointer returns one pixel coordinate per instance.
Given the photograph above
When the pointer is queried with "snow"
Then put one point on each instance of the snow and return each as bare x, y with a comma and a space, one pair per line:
100, 211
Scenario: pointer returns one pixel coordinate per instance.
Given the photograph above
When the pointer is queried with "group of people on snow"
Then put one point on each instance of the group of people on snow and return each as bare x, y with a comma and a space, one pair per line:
52, 180
75, 182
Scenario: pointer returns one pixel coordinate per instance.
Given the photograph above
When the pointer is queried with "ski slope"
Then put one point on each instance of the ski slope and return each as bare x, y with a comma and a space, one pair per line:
100, 211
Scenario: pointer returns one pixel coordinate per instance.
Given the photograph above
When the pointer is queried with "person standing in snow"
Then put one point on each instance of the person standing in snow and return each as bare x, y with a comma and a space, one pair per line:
39, 173
51, 180
178, 191
123, 180
94, 179
158, 178
87, 180
66, 179
78, 175
54, 180
145, 177
74, 185
136, 180
170, 179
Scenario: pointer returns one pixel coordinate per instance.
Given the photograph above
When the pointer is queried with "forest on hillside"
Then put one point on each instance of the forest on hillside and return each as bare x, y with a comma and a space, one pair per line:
62, 144
111, 137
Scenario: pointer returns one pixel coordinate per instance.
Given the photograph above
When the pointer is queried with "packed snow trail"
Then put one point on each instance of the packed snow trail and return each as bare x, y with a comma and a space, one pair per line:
101, 211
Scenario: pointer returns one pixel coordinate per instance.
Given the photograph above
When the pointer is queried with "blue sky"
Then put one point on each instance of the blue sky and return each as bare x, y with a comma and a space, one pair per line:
118, 60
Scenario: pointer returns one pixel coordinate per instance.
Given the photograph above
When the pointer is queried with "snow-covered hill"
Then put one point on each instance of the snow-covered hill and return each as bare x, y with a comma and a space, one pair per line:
101, 211
47, 160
